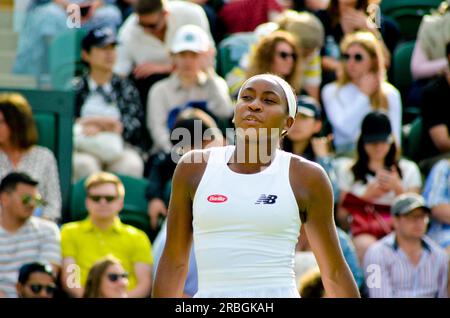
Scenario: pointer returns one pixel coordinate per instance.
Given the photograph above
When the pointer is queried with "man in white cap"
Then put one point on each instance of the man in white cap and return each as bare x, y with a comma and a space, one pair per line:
145, 39
188, 86
406, 263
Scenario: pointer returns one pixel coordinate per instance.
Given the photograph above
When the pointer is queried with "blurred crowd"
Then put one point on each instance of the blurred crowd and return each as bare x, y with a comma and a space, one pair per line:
151, 67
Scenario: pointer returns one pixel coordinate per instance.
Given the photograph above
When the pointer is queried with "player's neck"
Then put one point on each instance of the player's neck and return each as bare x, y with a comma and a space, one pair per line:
253, 156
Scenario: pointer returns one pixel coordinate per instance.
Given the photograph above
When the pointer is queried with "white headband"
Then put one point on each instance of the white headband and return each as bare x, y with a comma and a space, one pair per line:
288, 91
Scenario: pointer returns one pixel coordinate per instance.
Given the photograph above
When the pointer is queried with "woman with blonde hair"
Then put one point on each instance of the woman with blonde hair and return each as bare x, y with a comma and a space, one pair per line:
106, 279
19, 152
277, 53
360, 88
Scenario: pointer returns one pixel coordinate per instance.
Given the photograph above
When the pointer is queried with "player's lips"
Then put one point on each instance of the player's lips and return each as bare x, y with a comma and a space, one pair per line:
252, 119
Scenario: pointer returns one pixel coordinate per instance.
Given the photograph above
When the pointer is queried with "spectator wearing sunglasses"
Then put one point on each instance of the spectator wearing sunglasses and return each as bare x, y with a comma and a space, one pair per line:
36, 280
24, 238
101, 234
19, 152
361, 88
146, 36
106, 279
276, 52
343, 17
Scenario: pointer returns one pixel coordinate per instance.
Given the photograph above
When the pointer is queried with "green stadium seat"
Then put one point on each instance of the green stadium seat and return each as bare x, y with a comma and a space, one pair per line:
231, 49
65, 58
408, 13
135, 206
401, 67
413, 140
46, 126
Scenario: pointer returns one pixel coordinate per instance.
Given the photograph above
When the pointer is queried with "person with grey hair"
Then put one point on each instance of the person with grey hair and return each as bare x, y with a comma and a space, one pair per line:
406, 263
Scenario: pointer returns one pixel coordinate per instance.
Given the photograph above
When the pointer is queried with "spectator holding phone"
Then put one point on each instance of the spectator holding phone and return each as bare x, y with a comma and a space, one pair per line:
377, 175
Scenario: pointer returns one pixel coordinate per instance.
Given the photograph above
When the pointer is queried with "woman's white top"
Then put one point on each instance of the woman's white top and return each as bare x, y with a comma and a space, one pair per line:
346, 106
411, 178
245, 229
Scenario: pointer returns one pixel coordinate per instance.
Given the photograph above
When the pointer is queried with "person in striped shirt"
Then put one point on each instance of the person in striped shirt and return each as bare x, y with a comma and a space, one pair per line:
24, 238
406, 263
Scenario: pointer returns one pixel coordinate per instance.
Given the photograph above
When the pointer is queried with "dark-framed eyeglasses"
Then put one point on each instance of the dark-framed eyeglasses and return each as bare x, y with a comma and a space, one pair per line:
284, 55
37, 288
28, 199
98, 198
356, 57
114, 277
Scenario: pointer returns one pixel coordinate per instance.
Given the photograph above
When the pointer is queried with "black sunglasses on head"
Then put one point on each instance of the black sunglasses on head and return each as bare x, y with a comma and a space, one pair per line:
357, 57
115, 277
36, 288
97, 198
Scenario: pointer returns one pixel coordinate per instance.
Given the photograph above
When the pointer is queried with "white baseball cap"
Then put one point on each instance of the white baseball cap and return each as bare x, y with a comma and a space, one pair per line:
190, 37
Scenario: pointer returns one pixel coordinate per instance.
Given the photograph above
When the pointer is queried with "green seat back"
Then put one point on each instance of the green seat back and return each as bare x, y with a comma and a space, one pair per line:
231, 49
414, 140
46, 126
408, 13
65, 57
401, 67
135, 205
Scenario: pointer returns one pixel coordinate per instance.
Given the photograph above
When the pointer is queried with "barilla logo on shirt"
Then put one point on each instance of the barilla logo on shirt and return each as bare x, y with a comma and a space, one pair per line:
217, 198
267, 199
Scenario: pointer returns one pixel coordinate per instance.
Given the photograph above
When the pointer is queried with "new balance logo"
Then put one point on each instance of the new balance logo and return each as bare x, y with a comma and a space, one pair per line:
267, 199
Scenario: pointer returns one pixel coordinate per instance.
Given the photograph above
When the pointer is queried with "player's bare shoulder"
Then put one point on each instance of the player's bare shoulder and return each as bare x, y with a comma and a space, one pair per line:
192, 165
307, 176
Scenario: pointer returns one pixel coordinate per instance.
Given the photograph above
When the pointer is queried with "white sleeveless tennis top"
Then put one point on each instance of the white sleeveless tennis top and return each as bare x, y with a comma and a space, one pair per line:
245, 229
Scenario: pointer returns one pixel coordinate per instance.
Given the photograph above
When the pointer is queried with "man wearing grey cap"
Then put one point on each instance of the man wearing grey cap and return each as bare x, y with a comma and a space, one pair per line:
406, 263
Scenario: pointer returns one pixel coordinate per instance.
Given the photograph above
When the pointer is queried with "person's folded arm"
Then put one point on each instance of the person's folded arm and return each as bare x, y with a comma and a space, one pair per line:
422, 67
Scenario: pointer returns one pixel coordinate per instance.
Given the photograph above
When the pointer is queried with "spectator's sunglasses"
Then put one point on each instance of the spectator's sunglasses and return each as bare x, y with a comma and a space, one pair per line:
37, 288
113, 277
357, 57
28, 199
284, 55
98, 198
